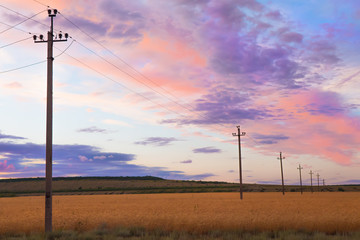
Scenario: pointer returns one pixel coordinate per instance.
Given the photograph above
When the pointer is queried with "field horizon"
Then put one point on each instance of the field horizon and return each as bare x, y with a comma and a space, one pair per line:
144, 184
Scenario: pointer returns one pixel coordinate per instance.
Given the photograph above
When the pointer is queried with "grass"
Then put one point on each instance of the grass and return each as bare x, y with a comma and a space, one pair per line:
197, 213
142, 233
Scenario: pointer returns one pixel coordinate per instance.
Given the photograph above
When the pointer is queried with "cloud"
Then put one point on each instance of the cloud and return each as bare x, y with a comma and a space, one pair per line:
88, 25
207, 150
292, 37
79, 160
351, 181
186, 161
274, 15
5, 167
83, 158
222, 106
157, 141
61, 153
93, 129
269, 139
4, 136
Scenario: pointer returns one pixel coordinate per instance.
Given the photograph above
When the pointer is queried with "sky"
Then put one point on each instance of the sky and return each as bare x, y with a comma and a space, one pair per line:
158, 87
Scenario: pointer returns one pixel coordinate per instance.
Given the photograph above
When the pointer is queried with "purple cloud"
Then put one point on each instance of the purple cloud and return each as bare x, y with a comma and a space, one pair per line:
223, 106
322, 51
128, 24
186, 161
274, 15
27, 160
157, 141
269, 139
92, 129
325, 103
5, 167
4, 136
60, 152
95, 28
292, 37
207, 150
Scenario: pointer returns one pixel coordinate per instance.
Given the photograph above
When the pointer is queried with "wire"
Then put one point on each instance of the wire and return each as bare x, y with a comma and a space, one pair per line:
15, 28
14, 69
27, 18
127, 64
41, 3
130, 75
133, 77
33, 64
122, 85
252, 139
15, 42
64, 49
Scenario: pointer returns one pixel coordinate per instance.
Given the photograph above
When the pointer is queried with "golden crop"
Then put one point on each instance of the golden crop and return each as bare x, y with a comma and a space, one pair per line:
197, 212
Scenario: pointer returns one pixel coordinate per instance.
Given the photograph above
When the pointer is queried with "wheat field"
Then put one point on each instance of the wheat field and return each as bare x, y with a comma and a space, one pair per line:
197, 212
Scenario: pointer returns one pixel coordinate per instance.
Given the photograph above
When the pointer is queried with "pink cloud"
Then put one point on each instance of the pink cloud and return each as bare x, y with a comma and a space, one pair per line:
84, 159
275, 15
292, 37
315, 123
5, 167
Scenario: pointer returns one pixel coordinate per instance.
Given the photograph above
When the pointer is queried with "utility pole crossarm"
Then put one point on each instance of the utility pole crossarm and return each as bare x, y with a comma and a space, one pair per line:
49, 115
240, 134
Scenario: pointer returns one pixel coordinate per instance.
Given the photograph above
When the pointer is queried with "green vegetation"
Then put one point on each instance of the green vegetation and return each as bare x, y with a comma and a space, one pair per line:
139, 185
140, 233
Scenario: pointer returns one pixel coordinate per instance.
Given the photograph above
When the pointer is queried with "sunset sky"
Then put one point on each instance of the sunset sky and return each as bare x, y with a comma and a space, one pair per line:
158, 87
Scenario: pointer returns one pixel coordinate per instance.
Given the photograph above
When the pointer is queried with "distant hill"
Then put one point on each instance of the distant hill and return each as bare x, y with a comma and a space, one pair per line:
138, 185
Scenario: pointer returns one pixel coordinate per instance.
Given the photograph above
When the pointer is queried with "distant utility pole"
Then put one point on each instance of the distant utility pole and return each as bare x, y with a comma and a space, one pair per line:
49, 114
240, 134
311, 186
323, 182
318, 175
300, 178
282, 173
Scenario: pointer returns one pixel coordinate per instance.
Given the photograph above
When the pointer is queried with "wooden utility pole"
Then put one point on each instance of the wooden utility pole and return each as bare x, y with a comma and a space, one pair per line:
311, 186
300, 178
323, 182
49, 116
240, 134
282, 172
318, 178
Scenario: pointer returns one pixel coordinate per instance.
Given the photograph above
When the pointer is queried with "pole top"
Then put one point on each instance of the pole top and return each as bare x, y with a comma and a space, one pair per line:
52, 12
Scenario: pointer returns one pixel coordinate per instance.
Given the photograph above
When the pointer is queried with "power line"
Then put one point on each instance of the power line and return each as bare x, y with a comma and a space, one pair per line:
41, 3
15, 69
15, 28
64, 49
36, 63
122, 85
26, 18
177, 101
84, 63
132, 76
127, 64
15, 42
